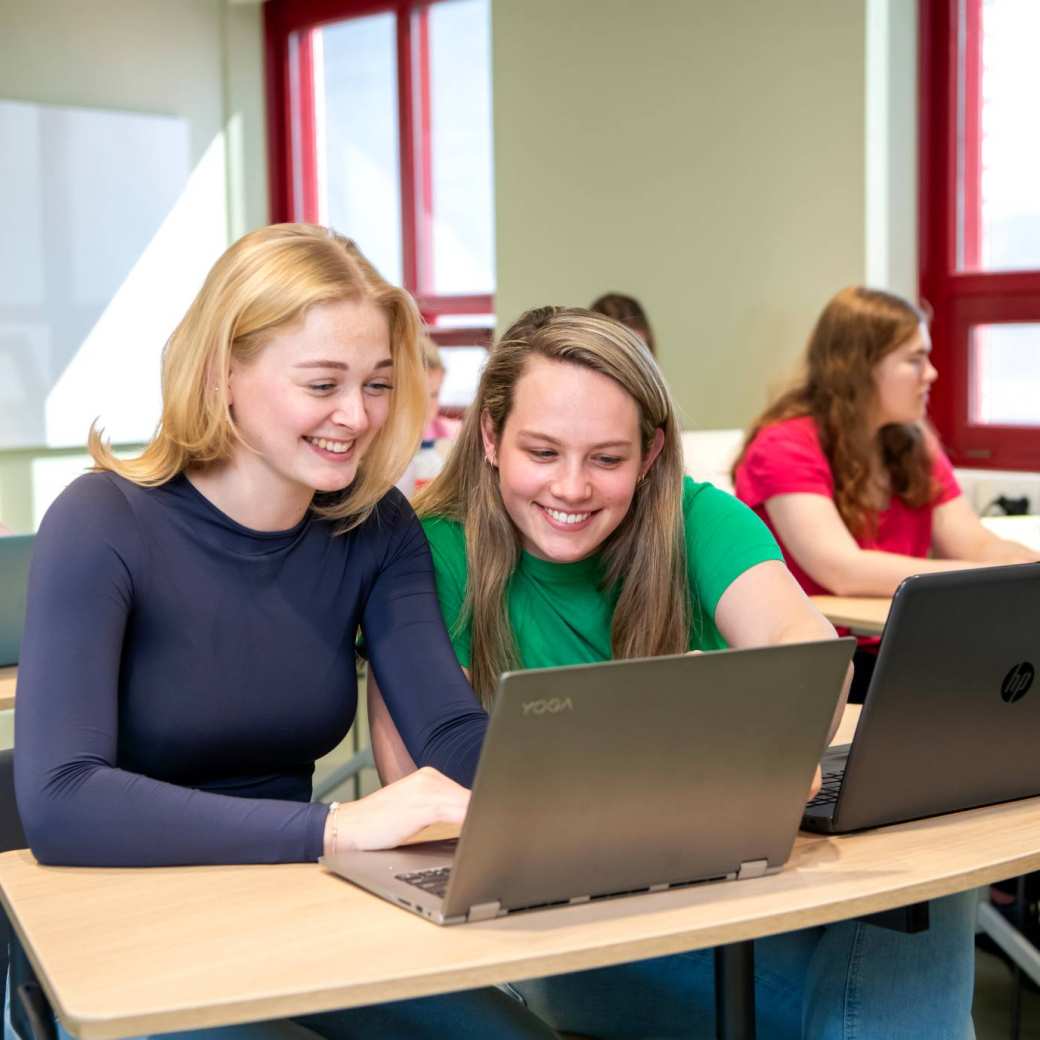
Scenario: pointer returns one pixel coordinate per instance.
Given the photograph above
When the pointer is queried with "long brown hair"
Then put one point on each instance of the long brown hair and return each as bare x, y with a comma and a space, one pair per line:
264, 282
645, 557
857, 328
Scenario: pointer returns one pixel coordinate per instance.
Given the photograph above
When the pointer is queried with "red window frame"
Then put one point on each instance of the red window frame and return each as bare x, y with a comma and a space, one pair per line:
292, 150
960, 296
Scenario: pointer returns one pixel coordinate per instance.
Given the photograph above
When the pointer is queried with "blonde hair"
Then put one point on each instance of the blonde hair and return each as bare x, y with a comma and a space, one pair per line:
432, 356
262, 284
644, 558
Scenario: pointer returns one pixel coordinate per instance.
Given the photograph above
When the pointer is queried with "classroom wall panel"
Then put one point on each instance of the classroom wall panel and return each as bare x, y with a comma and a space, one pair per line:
707, 157
199, 62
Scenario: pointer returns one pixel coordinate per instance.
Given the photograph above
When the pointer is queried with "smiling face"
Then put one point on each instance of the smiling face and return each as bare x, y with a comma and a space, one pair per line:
903, 379
568, 458
312, 400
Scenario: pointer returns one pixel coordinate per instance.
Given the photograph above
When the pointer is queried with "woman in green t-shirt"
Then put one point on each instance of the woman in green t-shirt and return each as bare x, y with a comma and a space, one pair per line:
563, 531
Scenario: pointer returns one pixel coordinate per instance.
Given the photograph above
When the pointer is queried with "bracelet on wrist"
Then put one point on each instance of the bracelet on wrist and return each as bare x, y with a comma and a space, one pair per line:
334, 827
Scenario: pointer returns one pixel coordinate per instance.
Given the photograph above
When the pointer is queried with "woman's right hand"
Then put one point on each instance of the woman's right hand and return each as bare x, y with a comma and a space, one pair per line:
395, 813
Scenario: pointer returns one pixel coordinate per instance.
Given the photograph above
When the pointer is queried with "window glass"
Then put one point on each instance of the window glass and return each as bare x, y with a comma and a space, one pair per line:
462, 368
1009, 147
356, 131
1005, 374
464, 321
461, 147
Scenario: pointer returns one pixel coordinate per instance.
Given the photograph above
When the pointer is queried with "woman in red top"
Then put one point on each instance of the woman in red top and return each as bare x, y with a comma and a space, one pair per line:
845, 471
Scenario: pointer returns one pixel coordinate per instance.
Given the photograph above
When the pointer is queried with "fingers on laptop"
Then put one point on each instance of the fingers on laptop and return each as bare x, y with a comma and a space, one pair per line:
397, 813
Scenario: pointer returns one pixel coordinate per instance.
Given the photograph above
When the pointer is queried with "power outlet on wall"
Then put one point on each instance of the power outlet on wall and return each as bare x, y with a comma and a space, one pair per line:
986, 492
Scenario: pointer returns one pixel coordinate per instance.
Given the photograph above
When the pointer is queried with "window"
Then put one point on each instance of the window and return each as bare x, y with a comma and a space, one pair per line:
980, 225
380, 125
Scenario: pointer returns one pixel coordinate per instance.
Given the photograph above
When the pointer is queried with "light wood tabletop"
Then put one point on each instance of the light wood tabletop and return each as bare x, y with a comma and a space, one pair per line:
187, 947
7, 683
862, 615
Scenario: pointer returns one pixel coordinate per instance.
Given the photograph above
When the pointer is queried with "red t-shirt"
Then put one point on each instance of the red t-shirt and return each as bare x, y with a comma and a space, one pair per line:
786, 458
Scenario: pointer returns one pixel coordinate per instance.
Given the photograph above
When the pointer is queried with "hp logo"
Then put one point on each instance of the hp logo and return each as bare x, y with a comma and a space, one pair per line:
1017, 682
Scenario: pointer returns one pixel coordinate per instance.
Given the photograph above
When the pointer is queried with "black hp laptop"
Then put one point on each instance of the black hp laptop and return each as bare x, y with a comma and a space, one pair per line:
630, 776
15, 551
951, 719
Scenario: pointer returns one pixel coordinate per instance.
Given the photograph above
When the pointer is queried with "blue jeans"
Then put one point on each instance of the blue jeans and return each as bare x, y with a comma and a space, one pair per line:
473, 1015
845, 981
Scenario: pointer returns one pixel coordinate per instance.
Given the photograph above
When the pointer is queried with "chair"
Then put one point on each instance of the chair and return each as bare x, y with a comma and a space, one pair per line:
31, 1015
362, 757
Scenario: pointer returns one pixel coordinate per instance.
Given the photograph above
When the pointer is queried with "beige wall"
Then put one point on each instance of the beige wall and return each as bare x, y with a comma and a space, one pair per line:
198, 59
708, 157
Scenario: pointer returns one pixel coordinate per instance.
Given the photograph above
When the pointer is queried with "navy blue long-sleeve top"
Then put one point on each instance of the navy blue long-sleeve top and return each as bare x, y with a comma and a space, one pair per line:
180, 674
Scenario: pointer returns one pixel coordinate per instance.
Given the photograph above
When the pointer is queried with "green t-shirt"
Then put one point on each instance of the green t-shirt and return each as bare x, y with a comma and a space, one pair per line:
559, 612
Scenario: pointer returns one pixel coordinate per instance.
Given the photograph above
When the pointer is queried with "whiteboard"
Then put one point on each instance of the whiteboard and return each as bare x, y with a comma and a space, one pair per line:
106, 232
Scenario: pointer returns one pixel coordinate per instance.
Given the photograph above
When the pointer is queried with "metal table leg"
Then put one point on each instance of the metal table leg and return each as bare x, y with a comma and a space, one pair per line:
735, 991
31, 1014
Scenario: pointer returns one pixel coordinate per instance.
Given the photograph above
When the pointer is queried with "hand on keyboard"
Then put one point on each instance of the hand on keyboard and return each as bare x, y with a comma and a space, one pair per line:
395, 813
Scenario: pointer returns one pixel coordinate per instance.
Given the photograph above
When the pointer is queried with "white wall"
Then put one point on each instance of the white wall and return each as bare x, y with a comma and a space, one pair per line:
201, 60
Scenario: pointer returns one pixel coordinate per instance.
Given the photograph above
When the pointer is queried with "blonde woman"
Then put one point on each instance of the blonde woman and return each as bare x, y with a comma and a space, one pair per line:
189, 645
563, 531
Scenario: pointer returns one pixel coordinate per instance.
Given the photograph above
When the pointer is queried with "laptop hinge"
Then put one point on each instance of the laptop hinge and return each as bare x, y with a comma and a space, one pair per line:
484, 911
752, 868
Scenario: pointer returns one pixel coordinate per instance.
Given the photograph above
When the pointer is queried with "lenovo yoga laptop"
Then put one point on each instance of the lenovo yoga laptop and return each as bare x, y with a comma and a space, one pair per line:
629, 776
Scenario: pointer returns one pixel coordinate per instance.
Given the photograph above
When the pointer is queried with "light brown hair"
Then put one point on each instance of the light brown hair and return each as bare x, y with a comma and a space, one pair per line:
856, 329
432, 356
644, 558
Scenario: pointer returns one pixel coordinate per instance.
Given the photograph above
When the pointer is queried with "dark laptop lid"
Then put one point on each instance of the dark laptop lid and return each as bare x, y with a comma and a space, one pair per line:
952, 716
14, 570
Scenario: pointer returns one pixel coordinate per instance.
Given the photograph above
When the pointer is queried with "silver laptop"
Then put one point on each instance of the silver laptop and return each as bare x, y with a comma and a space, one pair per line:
15, 551
952, 714
630, 776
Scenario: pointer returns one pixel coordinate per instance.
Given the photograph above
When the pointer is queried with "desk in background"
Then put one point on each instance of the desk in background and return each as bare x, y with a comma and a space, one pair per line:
1023, 529
862, 615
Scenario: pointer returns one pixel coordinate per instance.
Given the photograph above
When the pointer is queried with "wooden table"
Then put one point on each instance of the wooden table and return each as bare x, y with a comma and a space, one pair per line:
132, 951
862, 615
1022, 529
7, 682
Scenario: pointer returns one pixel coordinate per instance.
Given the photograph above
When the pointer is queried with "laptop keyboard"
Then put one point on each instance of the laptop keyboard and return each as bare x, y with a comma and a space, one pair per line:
434, 882
829, 789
